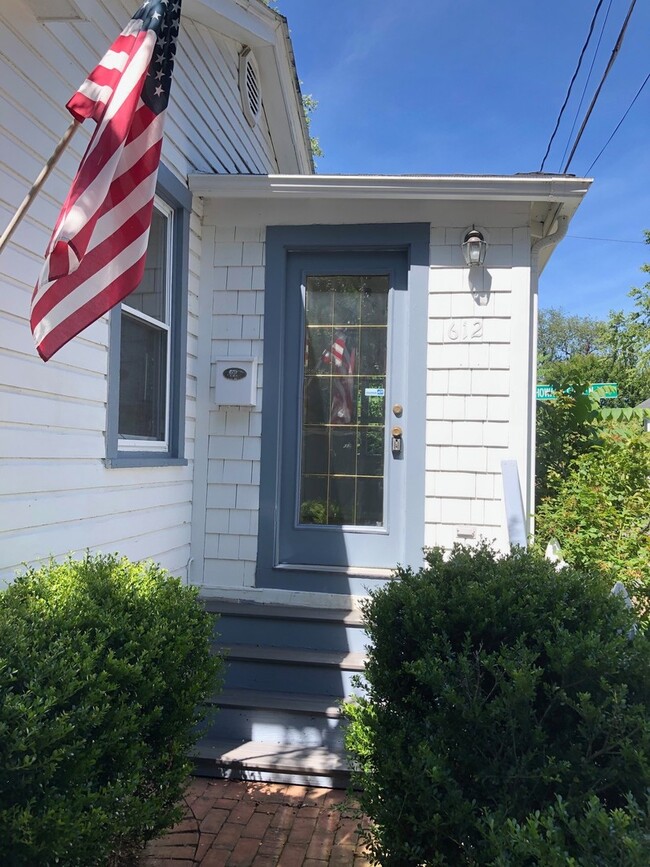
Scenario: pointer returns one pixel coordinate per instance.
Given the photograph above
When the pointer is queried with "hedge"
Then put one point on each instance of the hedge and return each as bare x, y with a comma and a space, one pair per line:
103, 667
506, 717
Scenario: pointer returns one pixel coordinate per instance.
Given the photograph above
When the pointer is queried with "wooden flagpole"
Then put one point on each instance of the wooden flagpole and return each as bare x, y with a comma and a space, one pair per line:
38, 183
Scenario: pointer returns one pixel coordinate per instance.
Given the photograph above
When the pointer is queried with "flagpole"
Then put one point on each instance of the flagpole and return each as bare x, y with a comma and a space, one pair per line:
38, 183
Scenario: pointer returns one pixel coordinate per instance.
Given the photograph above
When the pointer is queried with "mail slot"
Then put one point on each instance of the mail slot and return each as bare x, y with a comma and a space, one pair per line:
235, 381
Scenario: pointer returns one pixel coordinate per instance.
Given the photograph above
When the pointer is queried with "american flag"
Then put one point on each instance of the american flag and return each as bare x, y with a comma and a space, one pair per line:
97, 252
339, 356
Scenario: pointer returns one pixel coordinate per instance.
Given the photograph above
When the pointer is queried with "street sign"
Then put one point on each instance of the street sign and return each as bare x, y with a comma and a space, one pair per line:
605, 389
601, 390
545, 392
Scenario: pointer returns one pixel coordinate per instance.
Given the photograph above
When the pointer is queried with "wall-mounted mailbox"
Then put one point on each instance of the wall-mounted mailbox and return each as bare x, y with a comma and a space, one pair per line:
235, 381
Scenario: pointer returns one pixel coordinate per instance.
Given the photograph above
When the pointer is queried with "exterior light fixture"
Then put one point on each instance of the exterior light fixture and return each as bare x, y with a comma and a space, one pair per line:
474, 247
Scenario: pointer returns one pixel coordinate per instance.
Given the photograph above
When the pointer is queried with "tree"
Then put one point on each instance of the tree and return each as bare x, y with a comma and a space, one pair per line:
561, 337
580, 349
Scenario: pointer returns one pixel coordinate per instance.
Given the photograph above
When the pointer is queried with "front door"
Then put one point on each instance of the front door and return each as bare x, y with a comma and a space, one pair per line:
343, 436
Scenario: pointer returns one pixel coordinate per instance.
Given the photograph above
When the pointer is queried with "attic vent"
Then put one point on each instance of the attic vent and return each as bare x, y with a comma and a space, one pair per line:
249, 86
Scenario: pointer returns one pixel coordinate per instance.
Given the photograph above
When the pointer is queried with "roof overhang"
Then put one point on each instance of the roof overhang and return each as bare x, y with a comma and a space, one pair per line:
563, 189
252, 23
536, 200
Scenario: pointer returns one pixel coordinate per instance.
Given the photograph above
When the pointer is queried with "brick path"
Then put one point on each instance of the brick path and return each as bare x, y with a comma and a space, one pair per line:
235, 824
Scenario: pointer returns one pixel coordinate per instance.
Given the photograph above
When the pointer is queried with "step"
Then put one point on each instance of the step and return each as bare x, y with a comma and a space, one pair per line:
346, 661
293, 670
265, 762
279, 611
278, 718
313, 705
277, 625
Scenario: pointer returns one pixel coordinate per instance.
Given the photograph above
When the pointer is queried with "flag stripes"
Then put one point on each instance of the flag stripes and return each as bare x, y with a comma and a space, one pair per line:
97, 252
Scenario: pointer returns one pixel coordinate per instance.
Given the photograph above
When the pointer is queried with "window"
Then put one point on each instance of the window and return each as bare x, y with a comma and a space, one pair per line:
146, 395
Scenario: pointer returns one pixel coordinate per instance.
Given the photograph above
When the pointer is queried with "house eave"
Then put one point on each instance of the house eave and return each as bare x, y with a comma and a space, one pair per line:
566, 190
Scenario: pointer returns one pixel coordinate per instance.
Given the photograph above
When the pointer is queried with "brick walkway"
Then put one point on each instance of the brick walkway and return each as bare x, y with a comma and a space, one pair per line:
233, 824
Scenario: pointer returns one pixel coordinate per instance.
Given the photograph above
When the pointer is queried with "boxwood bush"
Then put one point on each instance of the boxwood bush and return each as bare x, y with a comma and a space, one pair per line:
103, 666
505, 720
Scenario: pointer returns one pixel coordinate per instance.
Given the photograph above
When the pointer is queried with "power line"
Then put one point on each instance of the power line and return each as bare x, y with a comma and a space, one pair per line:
587, 80
613, 240
615, 51
571, 83
637, 95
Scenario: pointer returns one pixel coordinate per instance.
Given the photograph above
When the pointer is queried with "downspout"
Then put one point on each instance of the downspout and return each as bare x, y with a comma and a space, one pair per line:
547, 241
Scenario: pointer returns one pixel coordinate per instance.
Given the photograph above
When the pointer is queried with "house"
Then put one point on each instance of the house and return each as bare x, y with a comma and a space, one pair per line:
310, 386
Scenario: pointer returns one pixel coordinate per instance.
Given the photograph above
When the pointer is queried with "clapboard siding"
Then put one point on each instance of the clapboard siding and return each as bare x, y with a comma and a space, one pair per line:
56, 494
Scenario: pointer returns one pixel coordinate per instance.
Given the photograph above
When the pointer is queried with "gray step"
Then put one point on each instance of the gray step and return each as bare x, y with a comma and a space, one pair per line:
279, 718
265, 762
309, 672
278, 611
289, 626
346, 661
314, 705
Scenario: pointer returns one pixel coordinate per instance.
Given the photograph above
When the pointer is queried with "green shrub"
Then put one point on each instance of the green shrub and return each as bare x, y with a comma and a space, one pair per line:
601, 512
103, 664
505, 720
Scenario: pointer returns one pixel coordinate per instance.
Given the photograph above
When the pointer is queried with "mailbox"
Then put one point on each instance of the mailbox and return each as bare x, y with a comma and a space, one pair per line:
235, 381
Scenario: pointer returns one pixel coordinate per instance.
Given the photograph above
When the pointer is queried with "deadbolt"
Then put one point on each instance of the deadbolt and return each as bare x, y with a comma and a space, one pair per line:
398, 409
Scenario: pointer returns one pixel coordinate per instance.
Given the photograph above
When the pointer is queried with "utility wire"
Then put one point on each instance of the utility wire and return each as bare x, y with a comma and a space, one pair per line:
615, 51
587, 80
613, 240
637, 95
571, 83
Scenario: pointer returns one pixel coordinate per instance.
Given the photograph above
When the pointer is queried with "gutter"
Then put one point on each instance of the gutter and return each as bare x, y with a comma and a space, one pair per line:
549, 240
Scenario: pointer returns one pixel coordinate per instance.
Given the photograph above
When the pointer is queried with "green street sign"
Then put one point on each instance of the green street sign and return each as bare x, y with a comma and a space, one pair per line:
601, 390
545, 392
604, 389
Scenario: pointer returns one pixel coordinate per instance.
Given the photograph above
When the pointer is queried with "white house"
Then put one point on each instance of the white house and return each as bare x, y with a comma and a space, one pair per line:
310, 386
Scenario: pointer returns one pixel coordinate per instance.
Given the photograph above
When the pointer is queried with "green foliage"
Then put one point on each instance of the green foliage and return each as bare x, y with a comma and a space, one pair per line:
601, 511
561, 337
103, 664
505, 720
309, 105
581, 349
567, 427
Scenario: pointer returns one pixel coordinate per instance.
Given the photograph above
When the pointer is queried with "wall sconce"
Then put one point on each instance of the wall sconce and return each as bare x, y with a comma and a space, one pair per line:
474, 247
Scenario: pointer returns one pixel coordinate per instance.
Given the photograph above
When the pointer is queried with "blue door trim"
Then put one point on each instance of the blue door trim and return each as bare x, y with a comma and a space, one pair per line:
412, 238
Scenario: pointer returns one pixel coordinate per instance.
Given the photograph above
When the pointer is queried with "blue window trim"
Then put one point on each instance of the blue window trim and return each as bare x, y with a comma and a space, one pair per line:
179, 198
414, 239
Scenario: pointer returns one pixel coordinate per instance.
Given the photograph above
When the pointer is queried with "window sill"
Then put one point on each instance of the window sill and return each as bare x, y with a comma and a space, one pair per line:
143, 460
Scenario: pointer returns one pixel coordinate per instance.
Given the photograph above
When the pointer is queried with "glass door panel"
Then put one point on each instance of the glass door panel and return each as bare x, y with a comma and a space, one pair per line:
341, 488
343, 407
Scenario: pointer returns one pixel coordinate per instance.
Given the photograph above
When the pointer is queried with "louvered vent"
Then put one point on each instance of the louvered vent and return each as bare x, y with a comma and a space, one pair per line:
249, 86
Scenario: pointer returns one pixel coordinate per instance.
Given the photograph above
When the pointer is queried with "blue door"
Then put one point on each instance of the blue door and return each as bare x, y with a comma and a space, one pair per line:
343, 438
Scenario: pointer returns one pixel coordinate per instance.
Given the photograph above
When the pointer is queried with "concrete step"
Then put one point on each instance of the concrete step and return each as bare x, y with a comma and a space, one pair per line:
264, 762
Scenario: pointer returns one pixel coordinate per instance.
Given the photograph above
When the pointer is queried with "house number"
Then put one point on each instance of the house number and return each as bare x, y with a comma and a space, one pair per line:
463, 330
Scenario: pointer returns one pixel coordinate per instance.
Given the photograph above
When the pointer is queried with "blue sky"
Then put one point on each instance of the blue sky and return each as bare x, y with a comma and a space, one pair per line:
453, 86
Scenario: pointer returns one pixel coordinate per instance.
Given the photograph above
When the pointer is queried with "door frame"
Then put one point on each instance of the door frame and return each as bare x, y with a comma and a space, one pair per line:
413, 239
